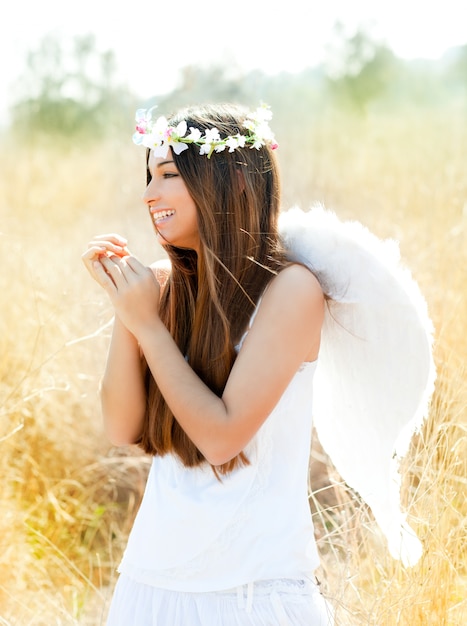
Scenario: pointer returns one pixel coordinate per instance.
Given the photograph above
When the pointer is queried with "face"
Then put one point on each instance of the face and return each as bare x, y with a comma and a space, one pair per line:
171, 207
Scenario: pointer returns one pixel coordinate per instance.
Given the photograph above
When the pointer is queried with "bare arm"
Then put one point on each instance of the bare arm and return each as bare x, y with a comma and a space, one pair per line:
122, 389
286, 332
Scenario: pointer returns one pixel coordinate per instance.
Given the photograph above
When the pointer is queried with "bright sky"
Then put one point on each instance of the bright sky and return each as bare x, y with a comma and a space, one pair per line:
152, 39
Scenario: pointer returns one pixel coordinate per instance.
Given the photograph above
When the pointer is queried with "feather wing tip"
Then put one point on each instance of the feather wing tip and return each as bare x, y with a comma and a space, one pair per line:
406, 546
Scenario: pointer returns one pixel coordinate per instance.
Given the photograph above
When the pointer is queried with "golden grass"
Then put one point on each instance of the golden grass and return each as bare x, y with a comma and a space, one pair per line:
68, 498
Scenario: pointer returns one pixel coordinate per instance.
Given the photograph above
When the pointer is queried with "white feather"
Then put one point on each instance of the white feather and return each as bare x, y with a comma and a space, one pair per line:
376, 374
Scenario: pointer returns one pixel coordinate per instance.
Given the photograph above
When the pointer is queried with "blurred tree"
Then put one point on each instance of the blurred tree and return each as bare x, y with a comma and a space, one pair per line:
288, 94
455, 61
68, 92
359, 69
202, 84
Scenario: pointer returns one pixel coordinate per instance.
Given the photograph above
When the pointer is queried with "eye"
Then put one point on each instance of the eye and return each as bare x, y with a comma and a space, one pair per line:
169, 175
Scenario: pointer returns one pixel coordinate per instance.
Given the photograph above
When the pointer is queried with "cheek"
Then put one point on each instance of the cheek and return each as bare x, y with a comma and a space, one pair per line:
194, 222
192, 212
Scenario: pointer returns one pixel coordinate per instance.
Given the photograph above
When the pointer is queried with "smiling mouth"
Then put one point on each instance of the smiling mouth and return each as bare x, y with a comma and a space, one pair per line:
159, 216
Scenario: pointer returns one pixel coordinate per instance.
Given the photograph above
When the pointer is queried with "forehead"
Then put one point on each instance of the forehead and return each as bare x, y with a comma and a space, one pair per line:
156, 162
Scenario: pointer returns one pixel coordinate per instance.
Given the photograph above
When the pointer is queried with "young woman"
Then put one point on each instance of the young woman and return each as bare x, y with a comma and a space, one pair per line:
210, 371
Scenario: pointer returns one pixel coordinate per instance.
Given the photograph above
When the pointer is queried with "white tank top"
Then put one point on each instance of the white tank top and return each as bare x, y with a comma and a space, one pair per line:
194, 532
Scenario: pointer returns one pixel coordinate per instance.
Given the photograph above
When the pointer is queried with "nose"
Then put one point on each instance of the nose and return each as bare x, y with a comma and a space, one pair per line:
151, 193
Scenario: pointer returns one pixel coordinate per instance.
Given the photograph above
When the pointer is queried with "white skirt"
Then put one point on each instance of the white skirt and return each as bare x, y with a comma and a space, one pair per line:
265, 603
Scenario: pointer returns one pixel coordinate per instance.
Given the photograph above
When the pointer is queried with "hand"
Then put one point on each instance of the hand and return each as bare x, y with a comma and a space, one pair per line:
132, 287
104, 245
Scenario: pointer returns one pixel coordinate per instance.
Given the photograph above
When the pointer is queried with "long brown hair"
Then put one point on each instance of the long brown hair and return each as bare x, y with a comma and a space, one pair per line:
209, 299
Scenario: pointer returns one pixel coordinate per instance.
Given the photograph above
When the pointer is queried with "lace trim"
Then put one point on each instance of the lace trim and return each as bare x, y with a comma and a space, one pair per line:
295, 586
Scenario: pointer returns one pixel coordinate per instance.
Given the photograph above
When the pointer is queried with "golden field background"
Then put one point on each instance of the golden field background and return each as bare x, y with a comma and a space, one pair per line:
68, 498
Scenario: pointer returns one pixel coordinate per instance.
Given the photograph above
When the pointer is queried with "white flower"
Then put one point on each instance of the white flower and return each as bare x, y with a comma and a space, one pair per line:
177, 146
175, 137
264, 132
138, 138
249, 124
150, 141
212, 136
205, 148
161, 151
241, 140
159, 135
238, 141
140, 115
143, 117
195, 134
161, 125
232, 143
156, 133
262, 114
180, 130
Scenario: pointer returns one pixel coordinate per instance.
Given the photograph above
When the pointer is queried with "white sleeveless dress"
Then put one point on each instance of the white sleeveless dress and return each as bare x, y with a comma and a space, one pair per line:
238, 551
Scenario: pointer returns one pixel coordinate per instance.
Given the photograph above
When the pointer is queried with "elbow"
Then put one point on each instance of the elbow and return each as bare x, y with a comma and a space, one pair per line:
221, 453
222, 442
120, 435
216, 460
119, 440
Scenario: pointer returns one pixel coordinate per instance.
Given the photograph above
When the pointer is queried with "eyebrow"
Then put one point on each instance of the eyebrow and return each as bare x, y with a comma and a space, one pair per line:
164, 163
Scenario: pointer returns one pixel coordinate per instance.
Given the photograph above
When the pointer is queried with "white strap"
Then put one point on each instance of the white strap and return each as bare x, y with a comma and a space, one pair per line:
279, 610
249, 597
240, 602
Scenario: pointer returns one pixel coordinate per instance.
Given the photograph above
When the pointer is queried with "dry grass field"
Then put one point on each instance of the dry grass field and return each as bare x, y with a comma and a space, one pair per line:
68, 497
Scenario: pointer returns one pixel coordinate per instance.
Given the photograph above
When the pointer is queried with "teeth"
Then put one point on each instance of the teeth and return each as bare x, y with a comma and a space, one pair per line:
160, 215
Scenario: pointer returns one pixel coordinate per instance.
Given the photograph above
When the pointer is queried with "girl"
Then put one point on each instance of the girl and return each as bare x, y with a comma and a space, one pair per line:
210, 370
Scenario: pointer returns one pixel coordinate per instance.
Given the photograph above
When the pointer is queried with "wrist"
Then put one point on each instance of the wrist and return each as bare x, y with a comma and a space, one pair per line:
149, 329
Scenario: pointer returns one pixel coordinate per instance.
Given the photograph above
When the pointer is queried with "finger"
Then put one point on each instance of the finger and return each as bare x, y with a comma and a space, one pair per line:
123, 252
89, 257
113, 238
135, 265
138, 271
93, 252
108, 246
103, 277
115, 267
91, 263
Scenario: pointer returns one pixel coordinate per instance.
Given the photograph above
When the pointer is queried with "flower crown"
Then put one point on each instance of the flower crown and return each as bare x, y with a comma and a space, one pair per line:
159, 136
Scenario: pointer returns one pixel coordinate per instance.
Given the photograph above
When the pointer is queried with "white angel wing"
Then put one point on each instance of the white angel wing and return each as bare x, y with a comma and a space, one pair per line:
376, 373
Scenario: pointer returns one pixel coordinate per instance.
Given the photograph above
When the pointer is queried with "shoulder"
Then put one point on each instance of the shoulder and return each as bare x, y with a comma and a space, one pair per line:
289, 317
161, 270
292, 300
295, 285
